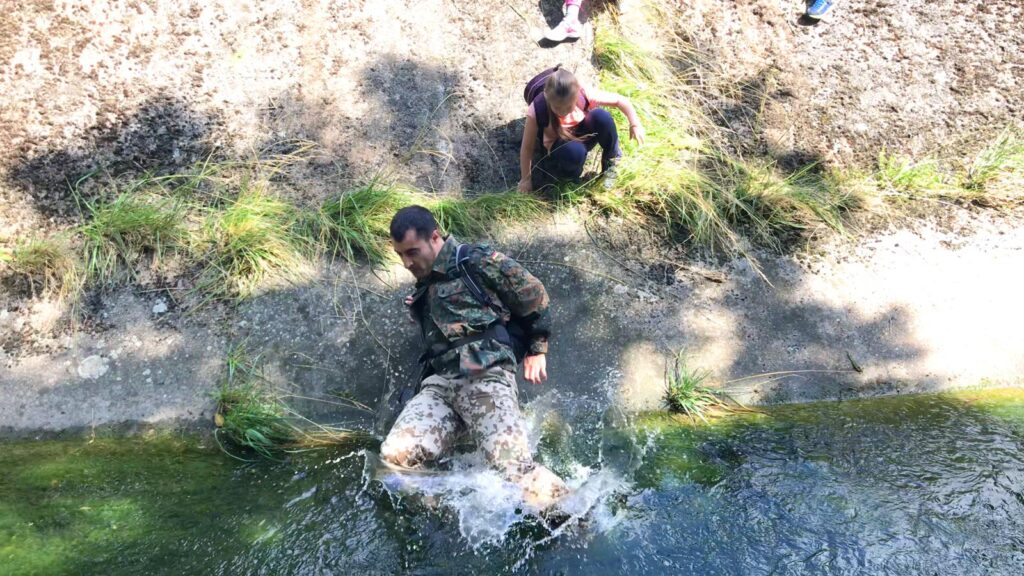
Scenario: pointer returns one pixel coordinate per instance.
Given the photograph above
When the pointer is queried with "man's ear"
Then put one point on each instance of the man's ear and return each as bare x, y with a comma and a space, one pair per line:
435, 236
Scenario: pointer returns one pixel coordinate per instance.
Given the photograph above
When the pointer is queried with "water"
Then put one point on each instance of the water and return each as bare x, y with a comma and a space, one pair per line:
913, 485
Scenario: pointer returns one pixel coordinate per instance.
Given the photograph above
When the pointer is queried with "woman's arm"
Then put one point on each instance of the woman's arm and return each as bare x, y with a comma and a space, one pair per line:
607, 99
636, 130
526, 154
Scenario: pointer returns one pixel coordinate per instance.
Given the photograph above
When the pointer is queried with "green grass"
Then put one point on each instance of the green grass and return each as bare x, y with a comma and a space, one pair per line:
255, 415
921, 179
250, 413
770, 205
356, 223
994, 177
249, 240
48, 265
680, 179
686, 392
476, 217
118, 233
252, 416
997, 172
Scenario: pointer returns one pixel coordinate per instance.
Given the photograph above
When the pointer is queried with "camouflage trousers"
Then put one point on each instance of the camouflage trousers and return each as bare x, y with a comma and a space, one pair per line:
487, 405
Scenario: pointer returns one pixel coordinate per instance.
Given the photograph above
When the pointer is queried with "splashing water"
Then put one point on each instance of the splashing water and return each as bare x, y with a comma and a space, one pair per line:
488, 507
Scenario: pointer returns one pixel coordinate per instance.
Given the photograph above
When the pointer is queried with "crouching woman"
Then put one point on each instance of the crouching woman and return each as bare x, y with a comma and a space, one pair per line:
565, 121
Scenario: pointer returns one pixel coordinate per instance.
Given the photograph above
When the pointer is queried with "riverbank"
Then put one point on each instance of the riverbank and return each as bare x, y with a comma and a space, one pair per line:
928, 307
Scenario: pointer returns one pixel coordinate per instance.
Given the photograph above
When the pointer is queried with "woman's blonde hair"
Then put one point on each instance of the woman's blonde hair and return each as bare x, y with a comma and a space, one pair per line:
561, 86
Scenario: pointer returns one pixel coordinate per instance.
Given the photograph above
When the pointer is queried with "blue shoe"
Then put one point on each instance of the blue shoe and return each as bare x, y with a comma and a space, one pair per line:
819, 8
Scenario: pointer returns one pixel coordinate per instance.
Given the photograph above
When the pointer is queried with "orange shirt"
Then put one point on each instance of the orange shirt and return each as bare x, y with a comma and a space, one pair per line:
596, 98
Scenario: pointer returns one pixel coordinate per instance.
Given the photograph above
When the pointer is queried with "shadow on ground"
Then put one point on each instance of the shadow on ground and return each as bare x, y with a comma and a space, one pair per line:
346, 335
162, 136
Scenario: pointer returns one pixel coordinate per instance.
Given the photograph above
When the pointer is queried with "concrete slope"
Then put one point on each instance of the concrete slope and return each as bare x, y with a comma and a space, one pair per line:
896, 311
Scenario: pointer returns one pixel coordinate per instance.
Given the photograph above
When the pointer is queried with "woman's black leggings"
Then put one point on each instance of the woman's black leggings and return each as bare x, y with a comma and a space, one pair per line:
566, 159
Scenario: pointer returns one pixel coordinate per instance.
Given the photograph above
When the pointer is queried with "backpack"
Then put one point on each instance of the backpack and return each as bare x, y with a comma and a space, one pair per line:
515, 333
534, 94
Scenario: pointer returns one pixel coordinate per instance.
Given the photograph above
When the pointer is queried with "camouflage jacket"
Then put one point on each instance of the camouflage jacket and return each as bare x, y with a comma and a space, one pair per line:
447, 310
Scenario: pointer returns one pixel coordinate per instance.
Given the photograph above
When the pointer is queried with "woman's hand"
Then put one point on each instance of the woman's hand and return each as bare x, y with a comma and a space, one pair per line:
525, 186
636, 132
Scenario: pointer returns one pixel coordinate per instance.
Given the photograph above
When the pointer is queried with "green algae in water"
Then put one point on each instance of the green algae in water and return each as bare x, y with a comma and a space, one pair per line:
688, 450
907, 485
86, 506
161, 504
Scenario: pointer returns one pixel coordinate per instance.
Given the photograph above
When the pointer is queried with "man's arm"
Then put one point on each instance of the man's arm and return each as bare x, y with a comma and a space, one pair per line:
522, 293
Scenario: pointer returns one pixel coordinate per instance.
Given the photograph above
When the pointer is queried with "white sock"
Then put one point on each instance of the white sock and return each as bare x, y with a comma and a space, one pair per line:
572, 12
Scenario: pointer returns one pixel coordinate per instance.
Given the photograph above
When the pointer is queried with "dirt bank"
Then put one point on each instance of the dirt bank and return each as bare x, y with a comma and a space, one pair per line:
430, 91
919, 77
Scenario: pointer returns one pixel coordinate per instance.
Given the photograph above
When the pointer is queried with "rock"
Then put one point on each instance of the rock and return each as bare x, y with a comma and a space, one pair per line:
160, 307
93, 367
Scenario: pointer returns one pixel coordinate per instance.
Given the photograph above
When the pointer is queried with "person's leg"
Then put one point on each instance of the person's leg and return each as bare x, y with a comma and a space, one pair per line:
489, 405
425, 429
571, 9
600, 126
569, 28
564, 162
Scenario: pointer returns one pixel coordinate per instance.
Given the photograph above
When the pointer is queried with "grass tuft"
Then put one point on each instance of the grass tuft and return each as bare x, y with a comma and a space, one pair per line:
685, 392
475, 217
770, 205
248, 240
356, 223
997, 172
120, 232
900, 175
253, 415
49, 266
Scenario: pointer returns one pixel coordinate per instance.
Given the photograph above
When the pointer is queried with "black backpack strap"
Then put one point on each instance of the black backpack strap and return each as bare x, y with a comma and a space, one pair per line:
471, 279
510, 333
540, 111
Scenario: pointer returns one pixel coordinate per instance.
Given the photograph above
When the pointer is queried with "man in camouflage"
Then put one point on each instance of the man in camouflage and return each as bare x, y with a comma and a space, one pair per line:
473, 384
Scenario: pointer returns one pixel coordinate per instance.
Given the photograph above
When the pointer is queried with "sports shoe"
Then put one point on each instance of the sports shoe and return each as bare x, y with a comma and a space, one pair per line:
609, 168
819, 8
566, 30
610, 175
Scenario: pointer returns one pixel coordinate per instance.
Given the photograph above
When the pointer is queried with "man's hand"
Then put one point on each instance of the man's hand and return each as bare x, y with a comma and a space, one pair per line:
535, 368
408, 303
525, 186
